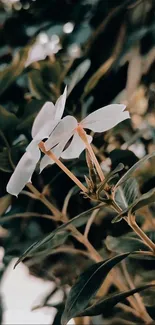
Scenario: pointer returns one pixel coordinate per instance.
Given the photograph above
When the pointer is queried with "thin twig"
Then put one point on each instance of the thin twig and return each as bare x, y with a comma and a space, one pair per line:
90, 221
146, 240
43, 199
132, 286
68, 249
30, 194
26, 215
128, 309
51, 155
66, 201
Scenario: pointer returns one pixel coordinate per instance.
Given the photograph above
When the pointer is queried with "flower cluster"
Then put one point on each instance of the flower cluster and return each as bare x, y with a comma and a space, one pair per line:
58, 132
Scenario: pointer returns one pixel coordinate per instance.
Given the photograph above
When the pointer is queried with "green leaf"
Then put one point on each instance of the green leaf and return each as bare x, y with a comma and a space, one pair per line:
77, 221
30, 112
110, 177
45, 248
119, 168
133, 168
5, 162
51, 72
7, 120
106, 304
37, 85
58, 240
9, 74
87, 286
143, 200
78, 74
116, 219
127, 193
124, 244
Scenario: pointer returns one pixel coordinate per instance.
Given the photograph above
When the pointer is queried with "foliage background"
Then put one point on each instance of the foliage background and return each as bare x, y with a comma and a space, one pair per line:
118, 37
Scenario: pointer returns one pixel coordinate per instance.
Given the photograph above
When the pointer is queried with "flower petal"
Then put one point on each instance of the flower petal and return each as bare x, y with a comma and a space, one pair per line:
63, 129
105, 118
42, 134
45, 161
60, 104
75, 148
23, 172
36, 53
46, 115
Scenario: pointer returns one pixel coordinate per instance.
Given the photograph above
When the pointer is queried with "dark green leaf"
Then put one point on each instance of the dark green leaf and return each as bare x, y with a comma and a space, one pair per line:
45, 248
133, 168
116, 219
51, 72
127, 193
77, 221
4, 162
124, 244
30, 112
37, 85
143, 200
105, 304
87, 286
110, 176
9, 74
57, 318
7, 120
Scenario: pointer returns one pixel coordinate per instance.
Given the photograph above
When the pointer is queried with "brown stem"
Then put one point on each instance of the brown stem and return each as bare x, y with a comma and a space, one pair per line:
98, 258
28, 215
132, 286
90, 221
146, 240
51, 155
94, 254
128, 309
81, 238
133, 224
83, 136
66, 201
43, 199
92, 251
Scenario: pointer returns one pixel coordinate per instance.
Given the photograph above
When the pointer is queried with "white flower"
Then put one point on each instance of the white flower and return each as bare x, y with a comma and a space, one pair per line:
45, 122
40, 50
99, 121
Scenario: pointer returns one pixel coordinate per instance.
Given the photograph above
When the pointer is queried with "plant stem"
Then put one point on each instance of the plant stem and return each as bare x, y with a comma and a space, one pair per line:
128, 309
92, 251
132, 286
51, 155
43, 199
112, 275
83, 136
90, 221
146, 240
80, 237
133, 224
